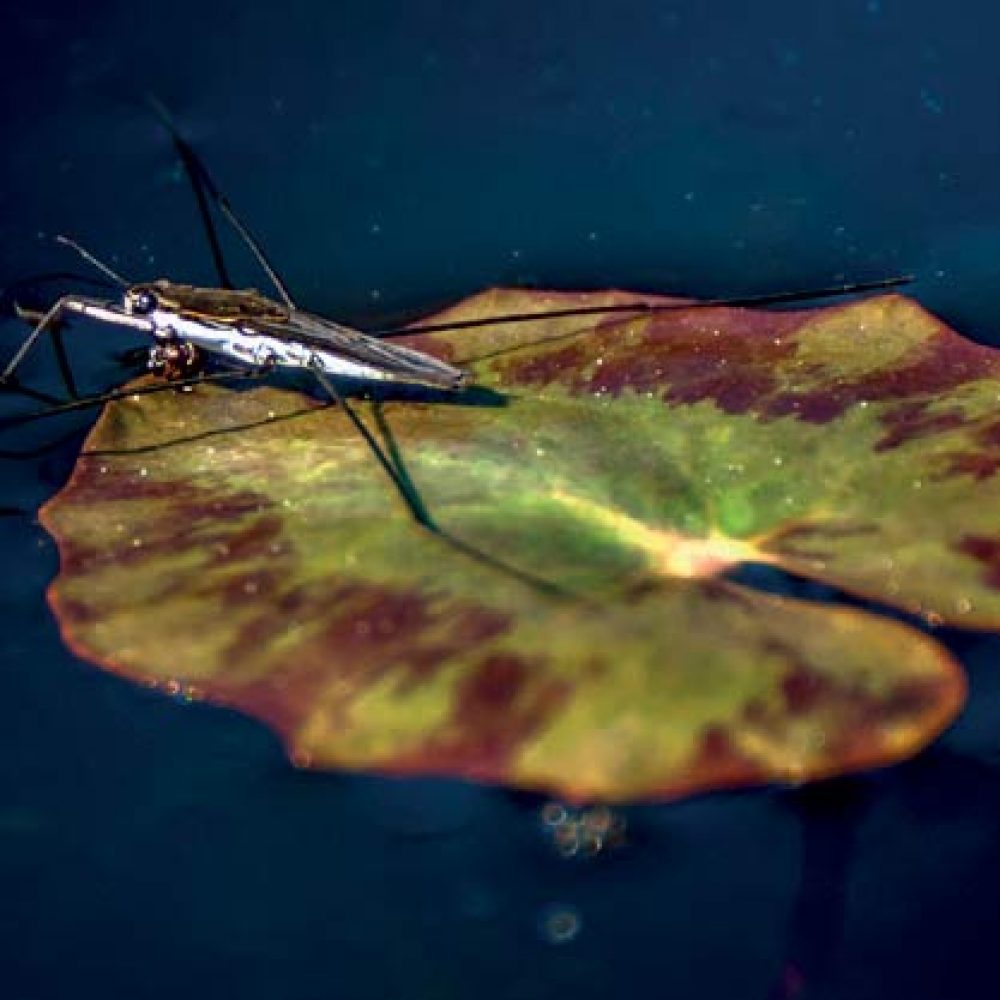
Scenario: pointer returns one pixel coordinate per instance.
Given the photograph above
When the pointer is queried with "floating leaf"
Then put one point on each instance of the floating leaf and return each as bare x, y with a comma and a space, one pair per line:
572, 629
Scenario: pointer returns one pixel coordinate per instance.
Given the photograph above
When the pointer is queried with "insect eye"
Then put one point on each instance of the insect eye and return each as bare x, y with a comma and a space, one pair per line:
144, 302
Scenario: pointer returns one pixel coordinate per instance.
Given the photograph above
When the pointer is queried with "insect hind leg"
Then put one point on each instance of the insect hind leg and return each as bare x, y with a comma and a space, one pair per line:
391, 461
403, 486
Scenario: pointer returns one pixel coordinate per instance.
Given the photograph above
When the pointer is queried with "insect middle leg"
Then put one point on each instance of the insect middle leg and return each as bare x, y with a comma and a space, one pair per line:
391, 461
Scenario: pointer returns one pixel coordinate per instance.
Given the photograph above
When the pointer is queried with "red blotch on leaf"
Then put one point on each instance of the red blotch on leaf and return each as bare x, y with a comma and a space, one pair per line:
985, 550
500, 706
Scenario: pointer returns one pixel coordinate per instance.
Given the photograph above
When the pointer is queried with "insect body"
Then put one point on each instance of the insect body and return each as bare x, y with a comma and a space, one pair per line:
257, 334
250, 329
247, 328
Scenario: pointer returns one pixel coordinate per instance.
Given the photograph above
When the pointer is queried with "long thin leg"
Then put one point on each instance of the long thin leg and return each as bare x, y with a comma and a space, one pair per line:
648, 308
202, 182
190, 164
62, 361
13, 384
484, 558
87, 402
392, 464
409, 496
93, 308
8, 299
22, 454
47, 320
207, 223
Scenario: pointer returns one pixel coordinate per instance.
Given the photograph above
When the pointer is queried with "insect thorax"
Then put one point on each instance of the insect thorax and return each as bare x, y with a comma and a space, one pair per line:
217, 305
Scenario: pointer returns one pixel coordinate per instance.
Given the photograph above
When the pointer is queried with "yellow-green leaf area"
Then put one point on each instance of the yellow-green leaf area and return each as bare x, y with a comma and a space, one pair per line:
570, 628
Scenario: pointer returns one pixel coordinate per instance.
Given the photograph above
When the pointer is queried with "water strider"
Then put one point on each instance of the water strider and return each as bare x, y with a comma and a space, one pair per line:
255, 334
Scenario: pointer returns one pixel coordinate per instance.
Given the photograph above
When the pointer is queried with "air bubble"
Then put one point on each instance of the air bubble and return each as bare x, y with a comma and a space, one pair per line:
559, 924
554, 814
582, 832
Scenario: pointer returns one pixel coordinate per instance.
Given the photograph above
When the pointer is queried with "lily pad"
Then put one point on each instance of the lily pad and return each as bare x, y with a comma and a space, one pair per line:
572, 629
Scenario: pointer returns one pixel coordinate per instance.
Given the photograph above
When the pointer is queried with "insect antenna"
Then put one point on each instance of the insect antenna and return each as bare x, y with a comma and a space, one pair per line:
202, 183
648, 308
91, 259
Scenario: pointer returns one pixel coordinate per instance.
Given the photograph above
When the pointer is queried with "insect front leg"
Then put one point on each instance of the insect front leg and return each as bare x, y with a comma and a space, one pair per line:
34, 316
47, 321
50, 320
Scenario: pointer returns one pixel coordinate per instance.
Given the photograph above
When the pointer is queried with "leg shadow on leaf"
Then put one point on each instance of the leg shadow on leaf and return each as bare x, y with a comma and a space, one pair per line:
415, 501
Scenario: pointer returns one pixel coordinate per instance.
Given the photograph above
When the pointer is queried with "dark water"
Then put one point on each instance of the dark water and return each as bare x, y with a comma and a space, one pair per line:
395, 156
